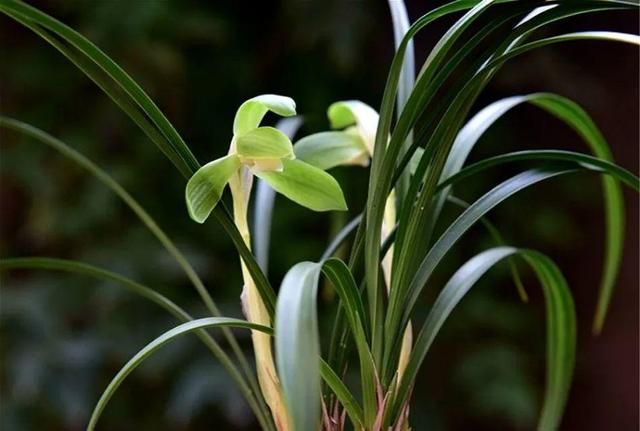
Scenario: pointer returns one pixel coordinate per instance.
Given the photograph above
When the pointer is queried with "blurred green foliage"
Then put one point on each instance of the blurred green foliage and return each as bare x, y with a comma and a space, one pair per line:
63, 337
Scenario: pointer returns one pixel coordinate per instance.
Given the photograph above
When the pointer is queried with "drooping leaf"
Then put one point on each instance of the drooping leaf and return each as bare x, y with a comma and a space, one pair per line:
561, 327
469, 217
298, 345
144, 217
326, 150
264, 143
306, 185
470, 88
149, 349
569, 112
75, 267
583, 161
132, 99
205, 187
251, 112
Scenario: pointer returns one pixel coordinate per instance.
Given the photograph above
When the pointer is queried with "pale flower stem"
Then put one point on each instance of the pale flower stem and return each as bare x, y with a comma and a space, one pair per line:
255, 309
388, 223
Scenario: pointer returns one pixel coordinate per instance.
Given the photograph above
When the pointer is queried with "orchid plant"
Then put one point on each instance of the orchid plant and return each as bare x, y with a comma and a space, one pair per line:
414, 165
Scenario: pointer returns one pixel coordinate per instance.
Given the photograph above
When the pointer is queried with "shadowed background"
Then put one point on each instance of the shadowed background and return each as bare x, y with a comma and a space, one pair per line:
62, 337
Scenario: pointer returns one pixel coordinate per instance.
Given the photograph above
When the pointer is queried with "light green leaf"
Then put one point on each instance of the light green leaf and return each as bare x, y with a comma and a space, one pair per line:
149, 349
306, 185
252, 111
264, 143
326, 150
205, 187
298, 345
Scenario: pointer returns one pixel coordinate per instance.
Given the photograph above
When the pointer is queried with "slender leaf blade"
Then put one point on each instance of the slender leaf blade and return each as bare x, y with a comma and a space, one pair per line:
298, 345
561, 326
149, 349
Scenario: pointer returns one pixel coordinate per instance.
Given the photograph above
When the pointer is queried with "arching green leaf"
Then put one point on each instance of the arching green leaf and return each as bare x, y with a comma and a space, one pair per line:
298, 345
561, 327
575, 117
75, 267
149, 349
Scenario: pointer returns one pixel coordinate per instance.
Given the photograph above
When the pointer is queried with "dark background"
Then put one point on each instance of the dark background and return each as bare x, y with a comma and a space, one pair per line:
63, 337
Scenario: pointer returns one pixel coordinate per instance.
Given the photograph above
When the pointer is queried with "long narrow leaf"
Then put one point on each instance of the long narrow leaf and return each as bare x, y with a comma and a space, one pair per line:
348, 401
576, 118
144, 217
401, 25
561, 327
298, 345
130, 97
149, 349
342, 280
76, 267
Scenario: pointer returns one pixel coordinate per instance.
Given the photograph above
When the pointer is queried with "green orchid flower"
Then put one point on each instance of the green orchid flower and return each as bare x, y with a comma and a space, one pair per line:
352, 145
266, 153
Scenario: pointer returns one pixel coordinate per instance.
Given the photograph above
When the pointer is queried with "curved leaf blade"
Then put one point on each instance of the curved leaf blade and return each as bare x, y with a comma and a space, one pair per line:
149, 349
75, 267
576, 118
348, 401
561, 326
298, 345
469, 217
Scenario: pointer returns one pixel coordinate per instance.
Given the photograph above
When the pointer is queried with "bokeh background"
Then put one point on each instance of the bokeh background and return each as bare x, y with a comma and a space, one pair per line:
63, 337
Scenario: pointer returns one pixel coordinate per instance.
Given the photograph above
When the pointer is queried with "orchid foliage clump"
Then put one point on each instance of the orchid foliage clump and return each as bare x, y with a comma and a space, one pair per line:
415, 160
